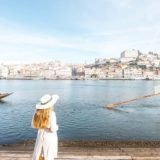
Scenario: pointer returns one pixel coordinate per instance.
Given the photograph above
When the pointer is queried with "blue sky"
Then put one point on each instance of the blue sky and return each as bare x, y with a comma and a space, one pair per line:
76, 31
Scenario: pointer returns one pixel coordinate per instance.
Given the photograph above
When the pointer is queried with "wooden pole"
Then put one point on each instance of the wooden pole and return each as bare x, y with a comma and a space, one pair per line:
110, 106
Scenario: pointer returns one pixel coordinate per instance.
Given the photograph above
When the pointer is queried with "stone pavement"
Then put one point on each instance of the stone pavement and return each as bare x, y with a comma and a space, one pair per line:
24, 151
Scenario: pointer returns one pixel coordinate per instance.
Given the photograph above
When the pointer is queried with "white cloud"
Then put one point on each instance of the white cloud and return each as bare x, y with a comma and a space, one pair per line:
110, 45
129, 30
102, 32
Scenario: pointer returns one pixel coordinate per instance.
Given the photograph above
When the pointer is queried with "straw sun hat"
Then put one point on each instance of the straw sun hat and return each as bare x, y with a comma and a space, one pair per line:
47, 101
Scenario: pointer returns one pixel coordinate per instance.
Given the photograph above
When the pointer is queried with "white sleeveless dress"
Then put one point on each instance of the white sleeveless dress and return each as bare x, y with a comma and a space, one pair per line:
47, 141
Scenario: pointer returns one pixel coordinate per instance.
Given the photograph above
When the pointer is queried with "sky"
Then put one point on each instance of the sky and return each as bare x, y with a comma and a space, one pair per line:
76, 31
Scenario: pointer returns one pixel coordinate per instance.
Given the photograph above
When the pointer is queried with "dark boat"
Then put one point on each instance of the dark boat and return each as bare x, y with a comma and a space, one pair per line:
3, 95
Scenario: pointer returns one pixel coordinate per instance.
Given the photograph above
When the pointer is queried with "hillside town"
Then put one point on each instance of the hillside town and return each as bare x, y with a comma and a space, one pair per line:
132, 64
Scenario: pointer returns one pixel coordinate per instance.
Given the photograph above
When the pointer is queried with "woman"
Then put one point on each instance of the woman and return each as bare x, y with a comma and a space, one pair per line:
44, 119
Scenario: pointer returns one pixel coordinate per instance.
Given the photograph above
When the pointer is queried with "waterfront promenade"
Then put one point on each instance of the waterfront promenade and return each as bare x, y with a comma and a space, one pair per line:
80, 150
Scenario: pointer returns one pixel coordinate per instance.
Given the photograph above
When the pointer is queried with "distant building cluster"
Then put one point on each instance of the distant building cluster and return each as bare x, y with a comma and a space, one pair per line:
52, 70
132, 64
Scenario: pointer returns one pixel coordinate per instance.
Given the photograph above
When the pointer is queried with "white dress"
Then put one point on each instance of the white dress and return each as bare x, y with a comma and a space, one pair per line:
47, 141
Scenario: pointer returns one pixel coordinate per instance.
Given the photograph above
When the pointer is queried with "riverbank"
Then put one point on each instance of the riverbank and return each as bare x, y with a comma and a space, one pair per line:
85, 79
114, 144
88, 150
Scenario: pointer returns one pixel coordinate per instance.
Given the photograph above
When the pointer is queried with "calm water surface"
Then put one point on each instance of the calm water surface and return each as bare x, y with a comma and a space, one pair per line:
81, 114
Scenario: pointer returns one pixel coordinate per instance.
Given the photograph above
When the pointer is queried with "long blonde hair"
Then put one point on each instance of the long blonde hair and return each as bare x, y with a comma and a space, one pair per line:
41, 118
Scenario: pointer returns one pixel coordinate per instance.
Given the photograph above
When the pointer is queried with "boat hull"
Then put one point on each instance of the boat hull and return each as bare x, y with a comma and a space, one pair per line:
3, 95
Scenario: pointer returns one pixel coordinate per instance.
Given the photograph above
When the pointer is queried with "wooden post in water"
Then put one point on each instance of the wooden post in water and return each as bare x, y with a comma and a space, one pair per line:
156, 93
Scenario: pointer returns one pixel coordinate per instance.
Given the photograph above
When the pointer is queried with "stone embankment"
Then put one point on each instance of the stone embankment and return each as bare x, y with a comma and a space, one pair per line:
88, 151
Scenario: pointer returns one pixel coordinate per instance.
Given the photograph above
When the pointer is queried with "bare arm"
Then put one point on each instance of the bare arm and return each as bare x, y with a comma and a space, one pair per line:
54, 126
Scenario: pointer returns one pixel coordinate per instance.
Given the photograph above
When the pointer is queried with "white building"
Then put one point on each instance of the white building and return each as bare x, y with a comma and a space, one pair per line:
113, 60
132, 73
89, 72
156, 63
149, 74
48, 74
4, 71
127, 59
100, 73
130, 54
64, 72
99, 61
15, 71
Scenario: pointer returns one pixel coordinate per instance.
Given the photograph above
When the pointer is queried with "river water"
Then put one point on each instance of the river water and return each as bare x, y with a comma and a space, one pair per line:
81, 112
